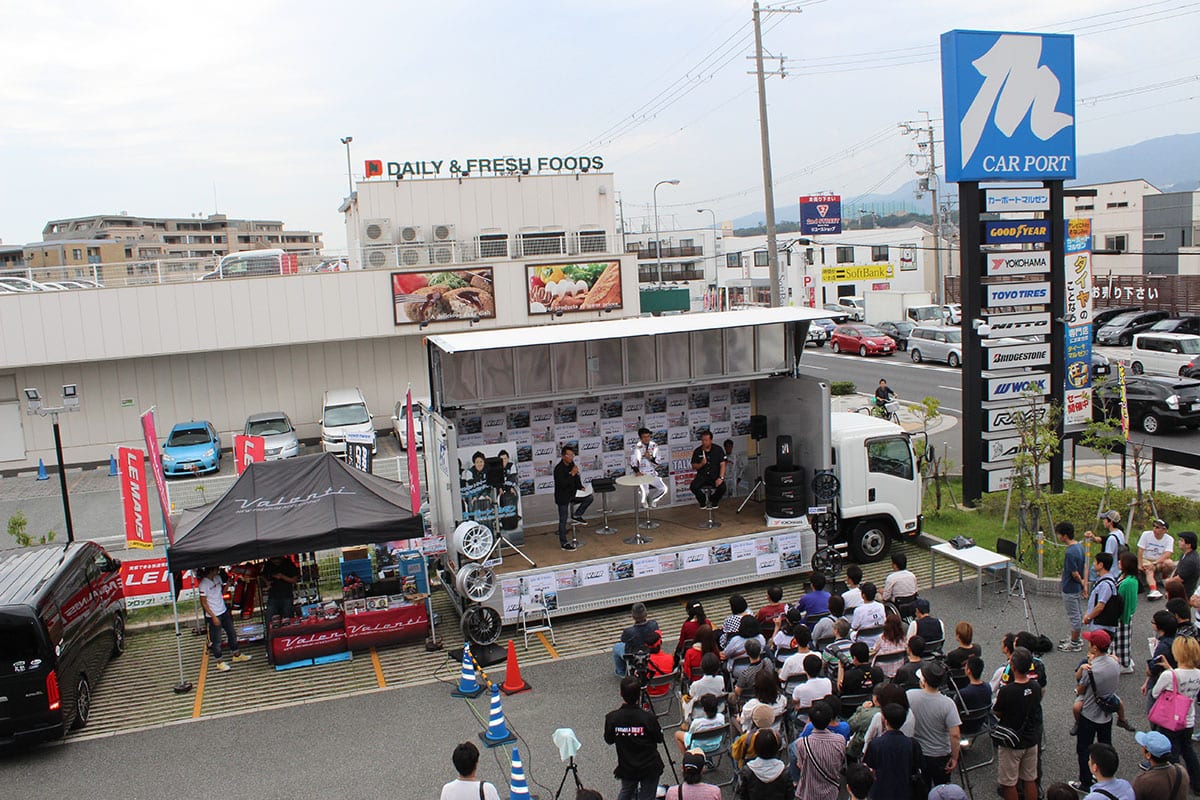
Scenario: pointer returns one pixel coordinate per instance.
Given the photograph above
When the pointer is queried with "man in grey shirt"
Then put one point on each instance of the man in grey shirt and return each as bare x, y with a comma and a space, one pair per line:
1097, 677
1104, 590
936, 724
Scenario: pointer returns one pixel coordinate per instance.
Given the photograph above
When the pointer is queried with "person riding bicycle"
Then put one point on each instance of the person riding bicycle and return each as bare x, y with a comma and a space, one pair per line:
883, 394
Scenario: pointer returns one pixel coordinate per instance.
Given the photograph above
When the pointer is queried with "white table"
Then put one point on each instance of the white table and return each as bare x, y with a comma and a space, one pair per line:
977, 557
637, 482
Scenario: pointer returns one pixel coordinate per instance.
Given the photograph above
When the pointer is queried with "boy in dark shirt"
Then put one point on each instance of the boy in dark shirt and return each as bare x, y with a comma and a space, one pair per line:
860, 677
893, 757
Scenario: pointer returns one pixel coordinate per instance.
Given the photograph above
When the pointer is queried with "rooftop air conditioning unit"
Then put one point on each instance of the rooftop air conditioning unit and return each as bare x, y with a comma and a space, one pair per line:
378, 231
414, 255
443, 233
442, 254
379, 257
411, 234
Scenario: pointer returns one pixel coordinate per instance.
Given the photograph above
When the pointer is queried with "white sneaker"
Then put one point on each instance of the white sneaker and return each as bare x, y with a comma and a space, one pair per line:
224, 666
1127, 670
1154, 595
654, 503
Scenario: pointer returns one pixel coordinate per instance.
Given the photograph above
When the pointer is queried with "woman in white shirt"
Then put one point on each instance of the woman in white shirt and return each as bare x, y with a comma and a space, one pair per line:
1186, 681
766, 693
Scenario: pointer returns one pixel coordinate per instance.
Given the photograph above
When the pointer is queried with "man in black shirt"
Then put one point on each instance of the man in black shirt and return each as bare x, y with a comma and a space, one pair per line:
637, 735
860, 677
282, 576
1019, 708
906, 676
883, 393
1188, 568
566, 484
709, 462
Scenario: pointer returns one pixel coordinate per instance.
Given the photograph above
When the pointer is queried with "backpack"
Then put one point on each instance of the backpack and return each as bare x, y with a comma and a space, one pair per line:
1114, 607
1122, 547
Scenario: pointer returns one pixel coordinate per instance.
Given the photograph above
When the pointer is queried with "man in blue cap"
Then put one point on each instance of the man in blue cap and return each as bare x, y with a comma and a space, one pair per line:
1163, 779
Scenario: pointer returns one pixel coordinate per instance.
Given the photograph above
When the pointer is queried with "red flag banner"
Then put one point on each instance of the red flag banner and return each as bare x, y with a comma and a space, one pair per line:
135, 498
414, 478
159, 479
247, 450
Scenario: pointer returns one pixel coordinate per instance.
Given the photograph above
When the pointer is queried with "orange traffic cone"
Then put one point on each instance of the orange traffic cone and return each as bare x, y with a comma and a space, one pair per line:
513, 682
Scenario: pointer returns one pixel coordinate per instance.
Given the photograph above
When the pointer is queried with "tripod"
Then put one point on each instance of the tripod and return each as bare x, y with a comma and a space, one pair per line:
572, 770
501, 539
645, 702
758, 481
1018, 590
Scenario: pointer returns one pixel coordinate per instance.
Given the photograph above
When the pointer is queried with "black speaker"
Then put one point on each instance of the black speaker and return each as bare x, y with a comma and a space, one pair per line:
783, 453
758, 427
493, 472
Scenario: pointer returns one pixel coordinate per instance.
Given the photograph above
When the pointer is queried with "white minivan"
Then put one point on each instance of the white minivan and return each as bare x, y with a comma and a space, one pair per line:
1163, 353
344, 411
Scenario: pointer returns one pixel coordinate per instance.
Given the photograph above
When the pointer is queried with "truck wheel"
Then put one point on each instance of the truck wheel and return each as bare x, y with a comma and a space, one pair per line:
869, 540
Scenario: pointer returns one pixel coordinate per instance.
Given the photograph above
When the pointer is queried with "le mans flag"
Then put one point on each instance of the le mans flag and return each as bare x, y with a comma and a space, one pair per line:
414, 479
134, 498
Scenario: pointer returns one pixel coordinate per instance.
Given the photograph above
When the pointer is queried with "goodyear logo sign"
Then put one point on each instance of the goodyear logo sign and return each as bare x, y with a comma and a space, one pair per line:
874, 272
1016, 231
1009, 105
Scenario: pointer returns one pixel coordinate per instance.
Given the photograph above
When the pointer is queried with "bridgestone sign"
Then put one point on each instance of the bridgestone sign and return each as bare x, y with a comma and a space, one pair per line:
1031, 324
1026, 262
1017, 294
1020, 355
1022, 384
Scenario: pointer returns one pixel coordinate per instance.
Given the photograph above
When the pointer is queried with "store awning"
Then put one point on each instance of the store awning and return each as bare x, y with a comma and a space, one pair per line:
292, 506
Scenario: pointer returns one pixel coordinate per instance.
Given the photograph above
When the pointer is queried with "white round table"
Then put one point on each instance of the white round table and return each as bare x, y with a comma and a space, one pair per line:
637, 482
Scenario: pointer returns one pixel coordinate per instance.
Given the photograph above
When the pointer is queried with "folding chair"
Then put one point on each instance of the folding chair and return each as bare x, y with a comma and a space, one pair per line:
850, 702
660, 681
1008, 549
974, 743
781, 654
933, 648
717, 745
889, 659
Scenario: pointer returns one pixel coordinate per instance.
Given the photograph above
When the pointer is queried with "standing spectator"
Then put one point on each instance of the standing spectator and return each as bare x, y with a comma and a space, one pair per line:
937, 724
219, 617
859, 782
567, 485
737, 610
774, 607
765, 777
823, 628
1183, 617
1102, 768
964, 634
693, 776
1155, 556
282, 577
1163, 780
1097, 677
891, 642
1061, 791
636, 734
1072, 585
906, 676
1019, 708
1111, 538
1163, 658
853, 595
868, 616
1104, 604
893, 757
466, 786
1127, 588
928, 627
815, 602
900, 586
1183, 679
1188, 568
820, 757
634, 638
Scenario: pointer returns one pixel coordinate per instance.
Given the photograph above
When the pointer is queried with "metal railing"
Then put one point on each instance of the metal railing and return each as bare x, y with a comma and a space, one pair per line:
492, 248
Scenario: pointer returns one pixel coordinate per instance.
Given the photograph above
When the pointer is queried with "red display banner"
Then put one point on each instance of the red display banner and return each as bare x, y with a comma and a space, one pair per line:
247, 450
134, 498
148, 580
414, 478
159, 479
387, 626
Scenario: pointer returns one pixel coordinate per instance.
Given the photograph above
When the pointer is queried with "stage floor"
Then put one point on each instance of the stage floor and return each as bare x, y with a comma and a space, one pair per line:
680, 527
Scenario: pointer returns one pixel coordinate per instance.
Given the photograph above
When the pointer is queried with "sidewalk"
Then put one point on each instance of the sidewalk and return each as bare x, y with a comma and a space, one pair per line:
1167, 477
910, 420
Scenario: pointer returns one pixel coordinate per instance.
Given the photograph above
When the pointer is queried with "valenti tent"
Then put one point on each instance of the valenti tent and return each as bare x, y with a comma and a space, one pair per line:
291, 506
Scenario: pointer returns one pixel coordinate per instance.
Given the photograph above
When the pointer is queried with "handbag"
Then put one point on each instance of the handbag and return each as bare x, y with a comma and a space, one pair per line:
1170, 710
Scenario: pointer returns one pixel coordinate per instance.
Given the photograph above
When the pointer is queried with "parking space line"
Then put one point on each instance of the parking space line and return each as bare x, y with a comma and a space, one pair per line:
546, 643
950, 388
200, 687
378, 669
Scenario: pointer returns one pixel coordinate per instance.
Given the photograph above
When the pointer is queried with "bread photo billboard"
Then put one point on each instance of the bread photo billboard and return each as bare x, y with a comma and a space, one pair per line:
582, 286
434, 296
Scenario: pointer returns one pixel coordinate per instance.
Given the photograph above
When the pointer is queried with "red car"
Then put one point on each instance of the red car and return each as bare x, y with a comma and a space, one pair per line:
866, 340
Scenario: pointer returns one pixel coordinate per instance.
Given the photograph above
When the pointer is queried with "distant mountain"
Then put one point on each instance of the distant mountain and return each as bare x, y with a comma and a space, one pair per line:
1172, 163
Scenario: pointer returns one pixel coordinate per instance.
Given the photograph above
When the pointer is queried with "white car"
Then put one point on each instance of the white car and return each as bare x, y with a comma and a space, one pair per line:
953, 312
400, 424
13, 283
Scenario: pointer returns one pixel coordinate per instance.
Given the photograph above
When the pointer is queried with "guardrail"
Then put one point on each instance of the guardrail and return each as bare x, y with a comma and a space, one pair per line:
142, 272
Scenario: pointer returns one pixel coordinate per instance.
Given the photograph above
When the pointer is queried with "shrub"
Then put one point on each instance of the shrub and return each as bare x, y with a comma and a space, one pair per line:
839, 388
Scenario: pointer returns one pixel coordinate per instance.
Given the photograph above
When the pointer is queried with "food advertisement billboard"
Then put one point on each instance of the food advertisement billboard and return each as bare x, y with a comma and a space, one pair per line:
578, 286
437, 295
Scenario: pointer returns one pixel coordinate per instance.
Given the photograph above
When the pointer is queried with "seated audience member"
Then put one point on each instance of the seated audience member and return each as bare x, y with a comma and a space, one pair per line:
743, 683
891, 693
793, 665
774, 607
839, 649
900, 586
868, 616
660, 664
687, 631
860, 721
705, 643
1155, 556
1187, 569
891, 642
927, 627
736, 645
815, 687
635, 637
975, 695
815, 601
964, 634
860, 677
853, 595
693, 778
711, 682
766, 693
823, 629
765, 777
784, 636
906, 675
707, 718
737, 610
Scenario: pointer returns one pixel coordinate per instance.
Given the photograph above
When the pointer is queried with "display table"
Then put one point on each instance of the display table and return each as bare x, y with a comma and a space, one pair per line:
404, 623
306, 639
977, 557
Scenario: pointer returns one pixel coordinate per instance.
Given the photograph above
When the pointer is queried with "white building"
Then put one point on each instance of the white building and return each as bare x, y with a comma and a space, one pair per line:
689, 258
1117, 213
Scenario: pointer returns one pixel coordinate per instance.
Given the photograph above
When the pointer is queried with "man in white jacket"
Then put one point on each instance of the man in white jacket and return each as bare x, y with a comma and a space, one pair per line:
644, 460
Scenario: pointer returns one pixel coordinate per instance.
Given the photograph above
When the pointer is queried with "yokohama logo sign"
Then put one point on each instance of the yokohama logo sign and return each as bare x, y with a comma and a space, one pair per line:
1029, 262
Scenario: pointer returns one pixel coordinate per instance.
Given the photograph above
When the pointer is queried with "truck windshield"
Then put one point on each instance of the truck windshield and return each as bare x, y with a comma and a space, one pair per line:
890, 456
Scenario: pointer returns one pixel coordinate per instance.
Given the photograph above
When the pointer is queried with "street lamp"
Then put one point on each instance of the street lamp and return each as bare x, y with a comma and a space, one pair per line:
70, 402
346, 140
657, 240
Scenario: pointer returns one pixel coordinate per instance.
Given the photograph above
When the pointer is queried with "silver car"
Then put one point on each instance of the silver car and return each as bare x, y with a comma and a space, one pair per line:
935, 343
400, 424
278, 434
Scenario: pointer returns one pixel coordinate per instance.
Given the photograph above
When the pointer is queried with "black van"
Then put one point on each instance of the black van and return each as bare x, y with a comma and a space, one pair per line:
62, 617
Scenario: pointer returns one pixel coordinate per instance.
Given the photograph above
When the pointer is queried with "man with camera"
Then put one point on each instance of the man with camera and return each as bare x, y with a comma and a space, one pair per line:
636, 638
636, 734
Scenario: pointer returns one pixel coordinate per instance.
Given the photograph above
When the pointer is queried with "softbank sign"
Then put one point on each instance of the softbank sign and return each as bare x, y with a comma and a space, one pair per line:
1032, 262
1017, 294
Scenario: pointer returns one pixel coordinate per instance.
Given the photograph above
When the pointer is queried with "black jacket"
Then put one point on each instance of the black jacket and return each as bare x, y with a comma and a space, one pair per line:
637, 735
565, 484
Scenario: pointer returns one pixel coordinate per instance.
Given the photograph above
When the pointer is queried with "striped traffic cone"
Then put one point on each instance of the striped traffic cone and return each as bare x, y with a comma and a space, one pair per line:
467, 685
518, 789
497, 732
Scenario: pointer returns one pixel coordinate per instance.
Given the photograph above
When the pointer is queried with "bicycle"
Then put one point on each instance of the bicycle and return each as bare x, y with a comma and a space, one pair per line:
890, 410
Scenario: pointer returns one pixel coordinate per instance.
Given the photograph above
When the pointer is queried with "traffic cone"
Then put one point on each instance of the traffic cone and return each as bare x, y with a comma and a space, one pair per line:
518, 789
513, 682
42, 476
112, 466
467, 685
497, 732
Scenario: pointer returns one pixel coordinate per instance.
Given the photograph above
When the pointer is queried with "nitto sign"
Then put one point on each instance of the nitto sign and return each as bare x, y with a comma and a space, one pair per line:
1018, 355
1016, 231
1032, 324
1017, 294
1030, 262
1009, 102
1023, 384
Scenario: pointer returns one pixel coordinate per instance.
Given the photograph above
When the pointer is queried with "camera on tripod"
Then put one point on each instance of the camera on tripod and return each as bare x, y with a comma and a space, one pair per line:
637, 664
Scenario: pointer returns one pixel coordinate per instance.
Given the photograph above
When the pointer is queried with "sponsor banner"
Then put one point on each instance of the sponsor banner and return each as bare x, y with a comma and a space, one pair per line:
1077, 407
440, 295
358, 451
1005, 418
583, 286
135, 498
160, 480
1025, 262
1031, 324
247, 450
1001, 200
1015, 385
1034, 354
1016, 231
147, 583
1078, 263
1124, 400
820, 213
1004, 448
1000, 479
873, 272
1008, 101
1079, 357
1016, 294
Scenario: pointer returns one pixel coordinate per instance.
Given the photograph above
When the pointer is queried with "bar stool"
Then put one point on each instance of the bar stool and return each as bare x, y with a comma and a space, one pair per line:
710, 522
574, 540
604, 487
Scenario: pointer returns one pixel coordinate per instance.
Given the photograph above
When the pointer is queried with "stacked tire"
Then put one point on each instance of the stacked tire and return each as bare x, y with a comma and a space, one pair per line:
787, 492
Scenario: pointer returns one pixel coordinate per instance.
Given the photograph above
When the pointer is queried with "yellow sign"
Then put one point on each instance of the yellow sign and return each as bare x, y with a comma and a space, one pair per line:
874, 272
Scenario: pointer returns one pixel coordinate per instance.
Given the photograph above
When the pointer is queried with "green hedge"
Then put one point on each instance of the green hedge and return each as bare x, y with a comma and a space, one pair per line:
840, 388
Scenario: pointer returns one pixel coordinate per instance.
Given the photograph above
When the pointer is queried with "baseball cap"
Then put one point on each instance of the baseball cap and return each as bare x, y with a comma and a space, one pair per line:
763, 716
694, 760
1155, 742
1099, 638
1112, 515
922, 605
1161, 523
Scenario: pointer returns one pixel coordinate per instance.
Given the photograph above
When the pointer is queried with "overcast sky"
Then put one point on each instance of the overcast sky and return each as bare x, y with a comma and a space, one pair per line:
164, 108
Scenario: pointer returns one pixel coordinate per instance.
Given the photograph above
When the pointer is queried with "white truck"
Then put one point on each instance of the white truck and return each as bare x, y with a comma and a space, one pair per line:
894, 306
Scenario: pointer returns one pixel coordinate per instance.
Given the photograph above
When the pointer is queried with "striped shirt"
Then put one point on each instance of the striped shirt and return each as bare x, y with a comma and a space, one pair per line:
821, 760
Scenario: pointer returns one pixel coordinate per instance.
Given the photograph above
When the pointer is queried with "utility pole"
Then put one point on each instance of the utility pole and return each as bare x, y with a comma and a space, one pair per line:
927, 143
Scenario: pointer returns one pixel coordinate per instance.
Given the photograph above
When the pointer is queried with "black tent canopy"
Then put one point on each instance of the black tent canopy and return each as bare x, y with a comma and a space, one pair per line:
295, 505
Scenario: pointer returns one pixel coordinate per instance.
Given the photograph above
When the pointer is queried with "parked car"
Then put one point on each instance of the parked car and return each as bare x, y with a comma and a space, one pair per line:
826, 324
62, 618
899, 331
249, 263
935, 343
14, 283
816, 335
1100, 318
1100, 365
866, 340
855, 306
1120, 329
1177, 325
279, 435
344, 411
400, 425
841, 316
1163, 353
192, 448
1155, 403
953, 312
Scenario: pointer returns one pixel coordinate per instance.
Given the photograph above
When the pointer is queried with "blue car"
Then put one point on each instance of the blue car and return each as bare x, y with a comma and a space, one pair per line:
192, 448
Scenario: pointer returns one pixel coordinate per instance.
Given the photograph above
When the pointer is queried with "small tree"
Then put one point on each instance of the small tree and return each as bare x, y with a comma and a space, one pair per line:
934, 467
1039, 443
18, 529
1103, 436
